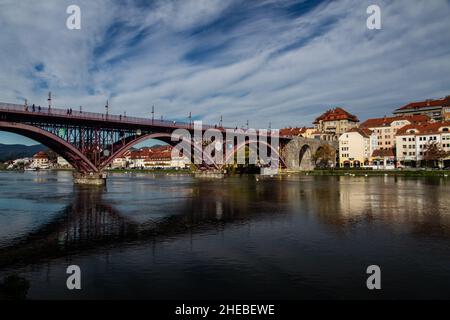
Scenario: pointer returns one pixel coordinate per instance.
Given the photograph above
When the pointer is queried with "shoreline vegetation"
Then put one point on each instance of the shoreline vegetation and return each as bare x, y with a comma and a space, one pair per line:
318, 172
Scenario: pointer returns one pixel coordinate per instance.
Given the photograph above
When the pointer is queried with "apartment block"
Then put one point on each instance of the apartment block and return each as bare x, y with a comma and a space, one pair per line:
436, 109
386, 128
412, 140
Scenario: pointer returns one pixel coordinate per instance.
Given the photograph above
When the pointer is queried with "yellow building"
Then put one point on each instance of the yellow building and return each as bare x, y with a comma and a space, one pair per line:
356, 147
446, 113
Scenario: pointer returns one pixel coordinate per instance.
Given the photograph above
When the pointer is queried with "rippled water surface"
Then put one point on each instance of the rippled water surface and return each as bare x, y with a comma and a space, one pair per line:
172, 236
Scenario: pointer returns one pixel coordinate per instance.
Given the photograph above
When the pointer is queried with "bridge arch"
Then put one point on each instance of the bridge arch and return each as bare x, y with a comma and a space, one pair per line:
236, 148
134, 140
305, 157
69, 152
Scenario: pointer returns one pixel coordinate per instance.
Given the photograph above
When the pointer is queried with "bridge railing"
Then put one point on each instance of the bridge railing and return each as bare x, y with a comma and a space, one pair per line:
83, 115
66, 113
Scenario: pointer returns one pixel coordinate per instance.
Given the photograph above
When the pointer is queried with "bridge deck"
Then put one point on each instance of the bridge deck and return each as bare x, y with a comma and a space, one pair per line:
57, 115
93, 116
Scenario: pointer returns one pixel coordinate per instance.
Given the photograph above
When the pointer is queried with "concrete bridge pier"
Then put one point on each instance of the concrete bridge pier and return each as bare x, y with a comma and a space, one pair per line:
210, 174
91, 178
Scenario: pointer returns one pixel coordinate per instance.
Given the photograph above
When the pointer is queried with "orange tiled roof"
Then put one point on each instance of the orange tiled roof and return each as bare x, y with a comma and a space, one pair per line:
425, 104
362, 131
336, 114
383, 153
156, 152
424, 128
40, 155
292, 131
386, 121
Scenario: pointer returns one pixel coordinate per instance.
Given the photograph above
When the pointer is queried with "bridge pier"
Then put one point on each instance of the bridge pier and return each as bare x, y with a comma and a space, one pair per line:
91, 178
210, 174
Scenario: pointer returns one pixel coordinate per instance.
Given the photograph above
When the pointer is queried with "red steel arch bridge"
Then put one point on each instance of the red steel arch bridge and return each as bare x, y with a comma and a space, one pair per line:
90, 141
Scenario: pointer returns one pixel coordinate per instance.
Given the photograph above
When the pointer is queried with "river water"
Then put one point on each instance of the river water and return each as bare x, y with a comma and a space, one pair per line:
174, 237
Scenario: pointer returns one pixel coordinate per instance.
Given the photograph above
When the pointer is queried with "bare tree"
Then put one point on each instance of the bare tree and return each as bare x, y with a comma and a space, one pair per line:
324, 156
433, 153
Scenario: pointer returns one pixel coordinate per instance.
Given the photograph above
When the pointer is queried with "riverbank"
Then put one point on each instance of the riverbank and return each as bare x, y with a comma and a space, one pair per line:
180, 171
115, 170
327, 172
365, 173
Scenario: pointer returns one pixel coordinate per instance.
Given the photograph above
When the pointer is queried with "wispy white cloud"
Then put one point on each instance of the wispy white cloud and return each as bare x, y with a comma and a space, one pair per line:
278, 61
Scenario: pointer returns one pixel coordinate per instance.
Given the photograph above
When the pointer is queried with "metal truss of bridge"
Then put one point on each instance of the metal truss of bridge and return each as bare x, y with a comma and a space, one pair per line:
89, 141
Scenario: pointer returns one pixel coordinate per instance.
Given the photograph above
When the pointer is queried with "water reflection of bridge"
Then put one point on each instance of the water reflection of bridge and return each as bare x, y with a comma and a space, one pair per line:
341, 204
88, 223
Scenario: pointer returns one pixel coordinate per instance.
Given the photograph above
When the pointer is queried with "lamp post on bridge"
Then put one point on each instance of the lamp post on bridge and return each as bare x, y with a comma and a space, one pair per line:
49, 101
153, 113
190, 119
221, 122
106, 108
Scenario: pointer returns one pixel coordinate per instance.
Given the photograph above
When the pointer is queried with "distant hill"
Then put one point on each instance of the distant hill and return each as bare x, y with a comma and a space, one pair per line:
15, 151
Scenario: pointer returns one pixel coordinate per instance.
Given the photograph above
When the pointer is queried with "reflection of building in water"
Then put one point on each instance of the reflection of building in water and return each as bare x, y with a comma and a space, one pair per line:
344, 202
393, 200
354, 196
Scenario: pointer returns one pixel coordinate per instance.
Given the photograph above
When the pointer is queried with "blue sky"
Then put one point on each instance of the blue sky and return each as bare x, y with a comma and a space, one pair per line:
277, 61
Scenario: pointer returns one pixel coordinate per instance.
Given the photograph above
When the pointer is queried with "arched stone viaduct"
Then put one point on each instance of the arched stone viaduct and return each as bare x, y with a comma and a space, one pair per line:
299, 152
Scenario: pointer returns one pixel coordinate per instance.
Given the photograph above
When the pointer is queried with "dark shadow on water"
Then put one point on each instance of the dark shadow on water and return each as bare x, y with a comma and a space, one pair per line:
338, 203
88, 223
14, 287
275, 233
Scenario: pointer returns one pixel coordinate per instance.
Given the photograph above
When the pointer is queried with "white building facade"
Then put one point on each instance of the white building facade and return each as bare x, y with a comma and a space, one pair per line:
413, 140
